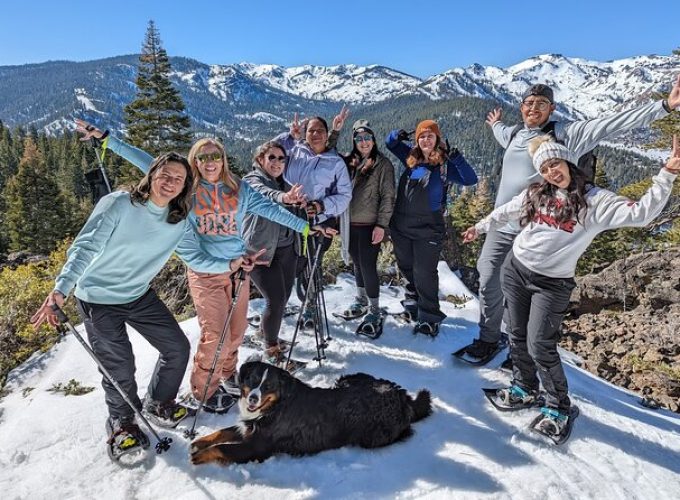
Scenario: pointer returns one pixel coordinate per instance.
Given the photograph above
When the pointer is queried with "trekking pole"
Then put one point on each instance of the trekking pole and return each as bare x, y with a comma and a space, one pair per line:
305, 301
163, 443
241, 277
96, 144
318, 323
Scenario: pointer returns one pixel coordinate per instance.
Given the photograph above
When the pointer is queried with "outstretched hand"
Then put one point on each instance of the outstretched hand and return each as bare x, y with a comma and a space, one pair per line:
88, 130
674, 95
470, 234
673, 163
45, 312
339, 120
494, 116
253, 259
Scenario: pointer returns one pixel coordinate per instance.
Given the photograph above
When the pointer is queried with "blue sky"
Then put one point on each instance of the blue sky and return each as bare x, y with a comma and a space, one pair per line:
417, 37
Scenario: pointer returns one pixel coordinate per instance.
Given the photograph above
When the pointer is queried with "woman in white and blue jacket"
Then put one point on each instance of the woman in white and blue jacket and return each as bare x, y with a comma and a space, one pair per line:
417, 227
324, 179
219, 203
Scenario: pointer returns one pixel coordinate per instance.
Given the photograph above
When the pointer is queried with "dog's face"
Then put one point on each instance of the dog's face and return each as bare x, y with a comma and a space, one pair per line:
261, 388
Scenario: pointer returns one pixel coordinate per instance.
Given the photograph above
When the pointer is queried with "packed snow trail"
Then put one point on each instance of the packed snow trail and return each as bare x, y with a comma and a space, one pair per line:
54, 446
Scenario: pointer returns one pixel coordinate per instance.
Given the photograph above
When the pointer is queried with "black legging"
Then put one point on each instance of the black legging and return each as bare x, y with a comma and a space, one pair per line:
275, 284
365, 258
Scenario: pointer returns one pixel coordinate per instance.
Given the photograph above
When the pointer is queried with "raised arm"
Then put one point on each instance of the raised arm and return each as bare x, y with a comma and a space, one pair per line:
139, 158
261, 205
582, 136
458, 170
618, 211
395, 142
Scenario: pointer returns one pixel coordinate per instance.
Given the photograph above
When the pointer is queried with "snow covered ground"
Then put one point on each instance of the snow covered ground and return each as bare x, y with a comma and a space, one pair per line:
53, 446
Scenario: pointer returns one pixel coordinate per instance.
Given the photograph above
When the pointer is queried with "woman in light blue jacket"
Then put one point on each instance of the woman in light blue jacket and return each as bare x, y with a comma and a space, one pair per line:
219, 203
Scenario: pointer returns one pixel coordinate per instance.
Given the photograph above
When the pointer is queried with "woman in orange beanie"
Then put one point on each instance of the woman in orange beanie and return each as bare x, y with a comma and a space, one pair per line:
417, 226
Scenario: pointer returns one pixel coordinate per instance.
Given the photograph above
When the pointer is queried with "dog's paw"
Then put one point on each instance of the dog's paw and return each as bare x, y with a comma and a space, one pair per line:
208, 455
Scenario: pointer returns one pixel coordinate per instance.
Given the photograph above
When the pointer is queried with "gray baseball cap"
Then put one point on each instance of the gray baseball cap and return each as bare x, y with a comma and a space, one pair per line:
539, 89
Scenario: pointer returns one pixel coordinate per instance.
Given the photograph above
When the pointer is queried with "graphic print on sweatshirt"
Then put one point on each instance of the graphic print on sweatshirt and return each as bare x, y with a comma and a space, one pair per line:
546, 215
215, 211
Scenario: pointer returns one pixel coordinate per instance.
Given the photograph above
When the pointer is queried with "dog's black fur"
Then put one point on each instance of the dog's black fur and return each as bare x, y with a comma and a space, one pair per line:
284, 415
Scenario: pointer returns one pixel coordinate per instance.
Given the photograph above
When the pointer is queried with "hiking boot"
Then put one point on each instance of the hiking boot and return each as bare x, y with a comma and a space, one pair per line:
515, 396
231, 385
427, 327
480, 349
166, 413
274, 355
219, 402
125, 434
553, 422
308, 319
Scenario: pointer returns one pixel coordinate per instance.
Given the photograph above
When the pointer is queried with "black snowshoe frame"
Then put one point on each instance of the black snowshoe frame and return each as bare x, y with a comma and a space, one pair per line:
461, 353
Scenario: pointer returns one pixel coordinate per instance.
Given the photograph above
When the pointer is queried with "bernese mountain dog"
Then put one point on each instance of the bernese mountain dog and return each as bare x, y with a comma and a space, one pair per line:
281, 414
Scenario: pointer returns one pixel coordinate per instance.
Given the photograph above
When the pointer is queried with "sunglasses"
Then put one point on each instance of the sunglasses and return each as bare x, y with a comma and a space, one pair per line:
277, 158
207, 157
363, 138
539, 104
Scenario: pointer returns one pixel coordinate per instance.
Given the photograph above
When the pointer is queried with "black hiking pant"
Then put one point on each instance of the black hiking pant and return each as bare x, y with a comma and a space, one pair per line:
417, 260
365, 259
536, 305
106, 332
275, 284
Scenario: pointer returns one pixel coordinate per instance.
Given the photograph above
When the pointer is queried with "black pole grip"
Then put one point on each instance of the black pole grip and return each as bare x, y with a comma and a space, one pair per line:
61, 316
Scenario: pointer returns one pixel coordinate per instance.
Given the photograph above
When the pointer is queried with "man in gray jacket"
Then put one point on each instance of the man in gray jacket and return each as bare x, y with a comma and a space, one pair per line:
518, 172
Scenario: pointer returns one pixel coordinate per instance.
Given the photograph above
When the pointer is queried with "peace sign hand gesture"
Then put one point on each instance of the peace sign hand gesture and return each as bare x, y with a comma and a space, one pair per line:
339, 120
295, 129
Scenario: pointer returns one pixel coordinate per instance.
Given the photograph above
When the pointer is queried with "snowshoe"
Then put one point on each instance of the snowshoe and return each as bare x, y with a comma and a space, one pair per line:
275, 356
256, 341
354, 311
231, 385
308, 319
480, 352
166, 414
256, 319
372, 325
513, 398
218, 403
404, 317
554, 424
126, 442
427, 328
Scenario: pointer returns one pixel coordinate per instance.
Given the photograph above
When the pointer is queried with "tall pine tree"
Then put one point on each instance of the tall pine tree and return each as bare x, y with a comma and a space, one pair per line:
35, 214
156, 119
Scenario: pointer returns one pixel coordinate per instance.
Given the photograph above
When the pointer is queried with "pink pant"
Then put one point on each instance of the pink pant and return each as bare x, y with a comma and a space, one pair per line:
212, 296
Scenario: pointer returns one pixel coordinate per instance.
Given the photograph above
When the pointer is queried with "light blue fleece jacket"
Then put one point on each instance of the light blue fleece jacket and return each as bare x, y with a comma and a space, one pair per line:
119, 250
216, 216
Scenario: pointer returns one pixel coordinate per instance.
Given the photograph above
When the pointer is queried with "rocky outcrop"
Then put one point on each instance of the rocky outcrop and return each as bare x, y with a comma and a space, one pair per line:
625, 324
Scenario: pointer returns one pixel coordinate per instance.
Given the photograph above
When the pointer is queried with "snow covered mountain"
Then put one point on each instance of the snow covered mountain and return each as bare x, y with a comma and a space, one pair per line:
248, 100
52, 446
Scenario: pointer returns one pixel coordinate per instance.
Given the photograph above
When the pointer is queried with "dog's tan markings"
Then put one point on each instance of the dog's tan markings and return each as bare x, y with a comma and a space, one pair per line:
213, 454
268, 401
222, 436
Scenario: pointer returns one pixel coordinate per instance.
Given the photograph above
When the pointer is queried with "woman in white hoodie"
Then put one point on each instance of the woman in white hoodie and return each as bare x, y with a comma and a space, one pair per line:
559, 217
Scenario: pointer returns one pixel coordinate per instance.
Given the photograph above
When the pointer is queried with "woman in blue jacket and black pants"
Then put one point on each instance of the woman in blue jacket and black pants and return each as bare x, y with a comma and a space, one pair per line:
417, 227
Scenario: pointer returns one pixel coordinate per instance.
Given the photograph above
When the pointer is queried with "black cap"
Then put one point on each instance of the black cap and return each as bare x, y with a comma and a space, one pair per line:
539, 89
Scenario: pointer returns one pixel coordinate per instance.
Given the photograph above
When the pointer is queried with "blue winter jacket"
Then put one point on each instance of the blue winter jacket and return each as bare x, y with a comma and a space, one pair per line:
421, 194
216, 216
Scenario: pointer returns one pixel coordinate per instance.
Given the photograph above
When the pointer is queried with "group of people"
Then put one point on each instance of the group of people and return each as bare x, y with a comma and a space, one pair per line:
301, 191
